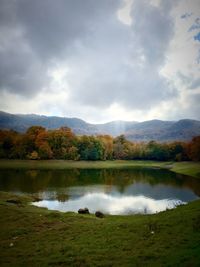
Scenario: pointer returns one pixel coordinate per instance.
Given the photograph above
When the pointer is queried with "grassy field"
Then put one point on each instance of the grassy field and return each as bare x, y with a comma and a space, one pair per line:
32, 236
187, 168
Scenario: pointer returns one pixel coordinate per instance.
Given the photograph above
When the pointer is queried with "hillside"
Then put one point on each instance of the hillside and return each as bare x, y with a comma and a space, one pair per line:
136, 131
20, 123
164, 130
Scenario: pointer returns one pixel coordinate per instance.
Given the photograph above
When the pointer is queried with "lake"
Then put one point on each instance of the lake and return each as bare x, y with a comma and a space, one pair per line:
112, 191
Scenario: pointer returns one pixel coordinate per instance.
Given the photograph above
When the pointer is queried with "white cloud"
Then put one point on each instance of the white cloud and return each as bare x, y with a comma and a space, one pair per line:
123, 13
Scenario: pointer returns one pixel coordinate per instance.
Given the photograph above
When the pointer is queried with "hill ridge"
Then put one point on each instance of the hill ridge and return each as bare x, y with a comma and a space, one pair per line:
158, 130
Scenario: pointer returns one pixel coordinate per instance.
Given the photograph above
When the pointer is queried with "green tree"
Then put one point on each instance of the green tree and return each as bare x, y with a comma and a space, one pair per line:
90, 148
107, 142
157, 151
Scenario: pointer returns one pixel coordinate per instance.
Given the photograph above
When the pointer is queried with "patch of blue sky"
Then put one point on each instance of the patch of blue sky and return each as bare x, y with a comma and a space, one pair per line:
197, 37
195, 26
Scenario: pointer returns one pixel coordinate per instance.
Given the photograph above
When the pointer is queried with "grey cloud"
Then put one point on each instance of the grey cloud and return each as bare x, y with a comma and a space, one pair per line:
153, 29
108, 62
186, 15
133, 88
33, 33
189, 81
7, 13
193, 112
52, 27
127, 60
185, 79
20, 70
195, 84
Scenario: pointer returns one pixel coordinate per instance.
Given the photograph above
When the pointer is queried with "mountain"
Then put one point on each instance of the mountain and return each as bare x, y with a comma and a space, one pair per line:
115, 127
21, 122
164, 131
136, 131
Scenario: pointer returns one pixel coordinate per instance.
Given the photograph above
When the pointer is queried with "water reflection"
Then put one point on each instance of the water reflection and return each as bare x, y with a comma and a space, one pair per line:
112, 191
114, 205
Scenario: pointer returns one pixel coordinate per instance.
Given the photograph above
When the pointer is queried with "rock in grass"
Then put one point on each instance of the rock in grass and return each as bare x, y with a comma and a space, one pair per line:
84, 211
99, 214
14, 201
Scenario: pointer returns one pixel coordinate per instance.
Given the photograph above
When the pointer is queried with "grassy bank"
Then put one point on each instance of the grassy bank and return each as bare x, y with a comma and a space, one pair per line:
187, 168
33, 236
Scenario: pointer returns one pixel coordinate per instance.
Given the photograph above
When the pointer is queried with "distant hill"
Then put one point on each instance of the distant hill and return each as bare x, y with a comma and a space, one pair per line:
20, 123
115, 127
136, 131
164, 130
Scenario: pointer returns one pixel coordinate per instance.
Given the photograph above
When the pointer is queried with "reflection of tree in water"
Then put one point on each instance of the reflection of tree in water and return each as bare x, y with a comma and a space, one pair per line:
62, 197
32, 173
33, 181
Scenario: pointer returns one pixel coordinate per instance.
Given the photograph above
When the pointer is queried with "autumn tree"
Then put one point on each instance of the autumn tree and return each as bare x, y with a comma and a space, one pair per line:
107, 142
194, 149
38, 143
122, 148
31, 136
63, 143
42, 145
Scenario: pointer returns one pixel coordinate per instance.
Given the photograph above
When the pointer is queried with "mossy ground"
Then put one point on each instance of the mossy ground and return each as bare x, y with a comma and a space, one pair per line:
32, 236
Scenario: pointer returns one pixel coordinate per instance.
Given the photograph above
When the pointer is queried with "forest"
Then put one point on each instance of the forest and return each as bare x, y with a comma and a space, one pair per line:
40, 143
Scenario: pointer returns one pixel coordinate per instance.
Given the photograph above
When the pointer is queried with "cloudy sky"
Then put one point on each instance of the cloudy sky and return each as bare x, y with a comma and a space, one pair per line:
101, 60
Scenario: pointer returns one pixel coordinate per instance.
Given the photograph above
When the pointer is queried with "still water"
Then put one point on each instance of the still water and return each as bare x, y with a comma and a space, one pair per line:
125, 191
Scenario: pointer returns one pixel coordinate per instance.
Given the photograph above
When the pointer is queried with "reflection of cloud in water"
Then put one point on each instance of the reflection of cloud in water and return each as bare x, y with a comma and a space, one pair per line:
112, 204
75, 192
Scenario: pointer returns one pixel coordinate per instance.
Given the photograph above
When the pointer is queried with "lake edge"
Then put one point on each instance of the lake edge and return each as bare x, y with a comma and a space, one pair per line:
187, 168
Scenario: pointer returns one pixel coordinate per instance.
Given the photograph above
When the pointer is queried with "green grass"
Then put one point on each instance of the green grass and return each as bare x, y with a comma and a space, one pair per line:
67, 164
187, 168
32, 236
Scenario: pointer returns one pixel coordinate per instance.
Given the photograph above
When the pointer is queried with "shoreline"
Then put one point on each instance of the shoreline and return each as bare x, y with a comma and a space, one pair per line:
34, 236
186, 167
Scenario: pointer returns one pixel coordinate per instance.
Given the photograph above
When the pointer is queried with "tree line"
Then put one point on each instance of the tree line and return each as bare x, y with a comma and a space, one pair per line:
39, 143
